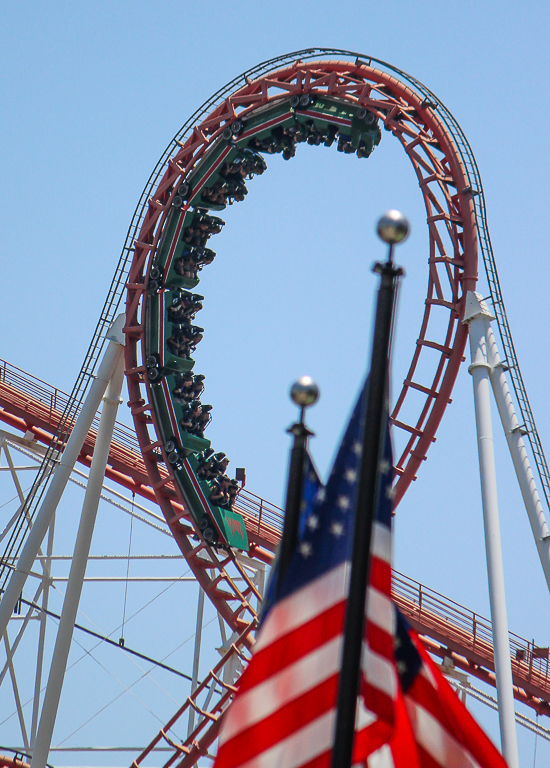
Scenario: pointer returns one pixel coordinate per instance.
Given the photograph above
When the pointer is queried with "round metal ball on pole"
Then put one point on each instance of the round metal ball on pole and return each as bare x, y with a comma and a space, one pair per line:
392, 227
304, 392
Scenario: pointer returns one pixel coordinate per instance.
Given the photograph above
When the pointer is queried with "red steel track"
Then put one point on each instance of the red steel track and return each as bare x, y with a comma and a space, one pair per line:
28, 404
449, 203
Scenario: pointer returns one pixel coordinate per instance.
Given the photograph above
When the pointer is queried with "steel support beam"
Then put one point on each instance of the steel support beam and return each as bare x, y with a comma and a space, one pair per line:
62, 473
78, 565
478, 317
196, 656
520, 458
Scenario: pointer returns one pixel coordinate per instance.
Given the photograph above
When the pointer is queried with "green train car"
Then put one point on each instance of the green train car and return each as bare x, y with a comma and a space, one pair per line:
217, 180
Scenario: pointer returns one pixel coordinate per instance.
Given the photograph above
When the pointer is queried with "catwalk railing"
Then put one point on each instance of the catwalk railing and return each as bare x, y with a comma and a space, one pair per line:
470, 635
28, 403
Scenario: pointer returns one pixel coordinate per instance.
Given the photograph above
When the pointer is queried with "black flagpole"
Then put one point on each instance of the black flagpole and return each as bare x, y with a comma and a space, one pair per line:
304, 393
392, 228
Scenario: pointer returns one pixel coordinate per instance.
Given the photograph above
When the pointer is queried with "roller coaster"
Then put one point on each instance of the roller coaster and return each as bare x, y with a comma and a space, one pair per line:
319, 97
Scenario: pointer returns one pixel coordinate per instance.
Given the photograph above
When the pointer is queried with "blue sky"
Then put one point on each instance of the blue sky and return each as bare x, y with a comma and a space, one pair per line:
90, 96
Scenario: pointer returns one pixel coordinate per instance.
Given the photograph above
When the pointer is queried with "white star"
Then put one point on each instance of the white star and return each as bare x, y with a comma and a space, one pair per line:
390, 493
401, 666
337, 529
321, 494
303, 505
350, 475
384, 466
343, 502
312, 522
357, 449
306, 550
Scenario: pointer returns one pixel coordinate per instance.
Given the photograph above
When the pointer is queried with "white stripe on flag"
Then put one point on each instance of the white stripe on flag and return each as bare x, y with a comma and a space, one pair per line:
427, 673
363, 716
379, 672
380, 610
436, 740
252, 706
381, 542
303, 605
382, 758
300, 748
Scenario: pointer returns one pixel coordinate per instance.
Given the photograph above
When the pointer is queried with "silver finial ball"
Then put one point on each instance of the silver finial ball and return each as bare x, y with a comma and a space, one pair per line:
304, 392
392, 227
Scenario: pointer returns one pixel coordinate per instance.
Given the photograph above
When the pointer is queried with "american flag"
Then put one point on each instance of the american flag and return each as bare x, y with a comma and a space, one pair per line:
283, 715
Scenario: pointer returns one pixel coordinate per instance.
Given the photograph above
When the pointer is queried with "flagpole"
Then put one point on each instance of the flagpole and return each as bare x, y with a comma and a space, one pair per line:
304, 393
392, 228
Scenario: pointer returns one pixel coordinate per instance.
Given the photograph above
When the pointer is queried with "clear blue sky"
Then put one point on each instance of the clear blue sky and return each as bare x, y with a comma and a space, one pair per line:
90, 96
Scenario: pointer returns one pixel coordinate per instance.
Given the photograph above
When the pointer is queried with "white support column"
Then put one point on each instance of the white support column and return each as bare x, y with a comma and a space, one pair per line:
42, 633
519, 455
58, 665
196, 656
478, 317
16, 693
62, 473
23, 627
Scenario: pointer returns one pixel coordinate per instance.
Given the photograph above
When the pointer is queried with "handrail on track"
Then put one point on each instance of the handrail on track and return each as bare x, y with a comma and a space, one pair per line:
433, 611
264, 518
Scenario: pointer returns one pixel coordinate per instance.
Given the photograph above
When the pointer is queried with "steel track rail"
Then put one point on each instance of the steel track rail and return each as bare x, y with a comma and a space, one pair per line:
485, 245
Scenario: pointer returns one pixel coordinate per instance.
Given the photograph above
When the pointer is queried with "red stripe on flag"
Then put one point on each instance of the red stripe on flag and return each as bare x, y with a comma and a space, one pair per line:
426, 760
380, 576
378, 702
380, 641
293, 646
445, 707
273, 729
371, 738
321, 761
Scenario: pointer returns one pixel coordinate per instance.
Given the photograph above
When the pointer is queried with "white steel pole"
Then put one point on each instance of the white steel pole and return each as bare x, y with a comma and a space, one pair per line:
196, 656
62, 473
478, 317
519, 455
58, 665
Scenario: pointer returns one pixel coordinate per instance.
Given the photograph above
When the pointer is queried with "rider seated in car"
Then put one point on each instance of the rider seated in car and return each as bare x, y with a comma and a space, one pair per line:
184, 307
202, 421
190, 415
201, 257
183, 392
185, 265
176, 311
178, 344
215, 194
198, 386
233, 491
193, 334
222, 462
205, 468
219, 491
